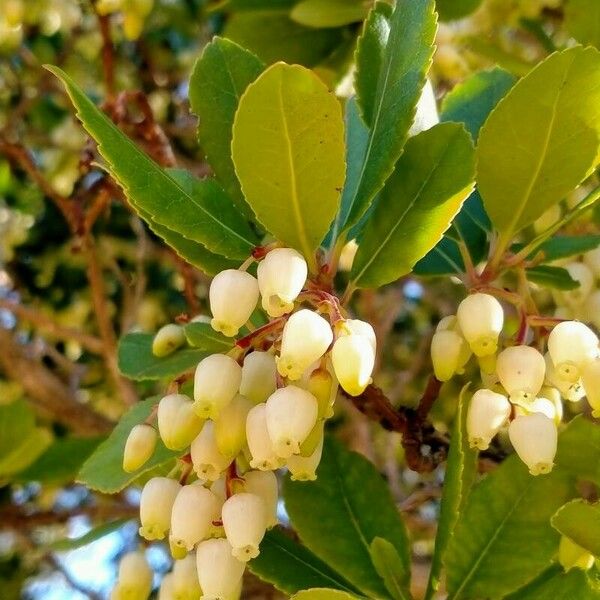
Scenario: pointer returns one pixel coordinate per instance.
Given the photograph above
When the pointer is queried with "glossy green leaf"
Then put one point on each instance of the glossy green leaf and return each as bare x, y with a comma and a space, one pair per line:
400, 80
91, 536
450, 10
220, 76
429, 184
350, 505
25, 452
461, 471
541, 140
328, 13
582, 21
204, 337
579, 450
288, 151
580, 522
199, 210
391, 568
136, 360
548, 276
322, 594
103, 470
562, 246
291, 567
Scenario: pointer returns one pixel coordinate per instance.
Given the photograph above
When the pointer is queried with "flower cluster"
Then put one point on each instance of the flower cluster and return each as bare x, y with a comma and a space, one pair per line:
523, 388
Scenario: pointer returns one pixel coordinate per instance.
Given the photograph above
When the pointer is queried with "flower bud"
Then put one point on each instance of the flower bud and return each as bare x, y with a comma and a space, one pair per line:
194, 510
216, 382
219, 572
306, 337
139, 447
134, 580
481, 318
133, 25
245, 522
353, 360
592, 261
185, 579
259, 442
521, 370
281, 277
534, 438
291, 413
259, 376
304, 468
208, 462
156, 505
590, 378
167, 340
233, 296
166, 591
323, 386
449, 353
571, 555
487, 413
571, 344
264, 485
178, 424
347, 256
230, 427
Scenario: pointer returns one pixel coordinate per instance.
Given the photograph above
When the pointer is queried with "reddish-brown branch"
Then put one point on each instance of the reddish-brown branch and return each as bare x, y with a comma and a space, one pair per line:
108, 58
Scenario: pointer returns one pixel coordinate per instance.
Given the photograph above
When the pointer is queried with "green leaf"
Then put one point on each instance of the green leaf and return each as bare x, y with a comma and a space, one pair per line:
579, 450
61, 461
204, 337
404, 65
136, 360
91, 536
322, 594
562, 246
580, 522
17, 421
461, 471
553, 277
199, 210
391, 569
450, 10
350, 505
582, 21
288, 151
541, 140
273, 37
328, 13
291, 567
218, 80
429, 184
27, 450
103, 470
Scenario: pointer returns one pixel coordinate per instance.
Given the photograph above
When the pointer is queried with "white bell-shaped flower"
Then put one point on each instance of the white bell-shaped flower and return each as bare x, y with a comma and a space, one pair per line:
306, 337
230, 427
323, 386
553, 395
233, 296
427, 114
260, 446
134, 579
304, 468
534, 438
281, 277
139, 447
571, 344
185, 579
264, 485
487, 413
194, 510
259, 376
449, 353
540, 405
521, 370
244, 518
358, 327
571, 555
592, 260
178, 424
166, 591
481, 318
353, 360
590, 378
590, 311
219, 572
156, 504
571, 391
208, 462
167, 340
291, 413
216, 382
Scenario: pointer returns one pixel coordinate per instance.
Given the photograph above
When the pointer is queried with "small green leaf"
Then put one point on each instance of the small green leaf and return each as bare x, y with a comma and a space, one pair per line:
429, 184
29, 449
391, 568
136, 360
541, 140
199, 210
562, 246
582, 21
103, 470
328, 13
91, 536
204, 337
291, 567
580, 522
451, 10
350, 505
400, 80
553, 277
322, 594
220, 76
288, 151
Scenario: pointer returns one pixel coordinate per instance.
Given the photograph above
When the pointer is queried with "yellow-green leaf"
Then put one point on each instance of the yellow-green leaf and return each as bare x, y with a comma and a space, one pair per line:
323, 594
328, 13
580, 522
